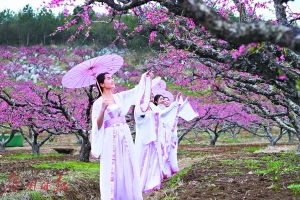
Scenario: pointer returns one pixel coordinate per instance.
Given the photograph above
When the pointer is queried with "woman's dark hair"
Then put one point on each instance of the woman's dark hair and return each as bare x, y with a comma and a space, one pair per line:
156, 98
100, 79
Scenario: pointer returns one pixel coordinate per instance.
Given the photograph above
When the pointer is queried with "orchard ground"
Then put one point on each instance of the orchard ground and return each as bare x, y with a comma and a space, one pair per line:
241, 168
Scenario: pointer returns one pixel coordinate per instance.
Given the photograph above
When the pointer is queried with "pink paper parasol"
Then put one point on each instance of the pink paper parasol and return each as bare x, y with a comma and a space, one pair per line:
85, 73
164, 93
168, 94
155, 81
158, 85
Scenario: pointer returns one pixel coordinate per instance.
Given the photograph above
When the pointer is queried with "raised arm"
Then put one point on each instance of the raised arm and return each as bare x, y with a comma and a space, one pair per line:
138, 96
172, 109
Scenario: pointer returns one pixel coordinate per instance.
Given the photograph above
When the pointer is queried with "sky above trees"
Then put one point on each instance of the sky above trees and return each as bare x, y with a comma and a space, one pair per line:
17, 5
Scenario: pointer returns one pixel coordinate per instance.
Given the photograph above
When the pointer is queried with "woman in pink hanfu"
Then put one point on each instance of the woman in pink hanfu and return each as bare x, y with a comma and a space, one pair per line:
111, 138
148, 144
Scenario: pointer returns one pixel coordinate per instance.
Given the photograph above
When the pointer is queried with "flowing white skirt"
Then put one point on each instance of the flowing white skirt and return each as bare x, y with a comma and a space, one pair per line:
169, 152
119, 171
150, 162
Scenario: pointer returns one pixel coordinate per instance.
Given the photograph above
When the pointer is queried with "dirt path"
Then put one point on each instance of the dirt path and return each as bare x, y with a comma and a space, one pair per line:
216, 181
209, 178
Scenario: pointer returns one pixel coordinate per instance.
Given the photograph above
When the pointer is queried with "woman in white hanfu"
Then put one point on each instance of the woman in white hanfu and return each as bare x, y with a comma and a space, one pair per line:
170, 141
148, 144
165, 130
111, 138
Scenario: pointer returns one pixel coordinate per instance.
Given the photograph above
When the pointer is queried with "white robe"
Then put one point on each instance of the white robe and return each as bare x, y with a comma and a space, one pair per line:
148, 145
186, 112
119, 171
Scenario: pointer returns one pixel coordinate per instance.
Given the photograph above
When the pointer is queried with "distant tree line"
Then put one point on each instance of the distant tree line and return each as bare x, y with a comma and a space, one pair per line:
29, 27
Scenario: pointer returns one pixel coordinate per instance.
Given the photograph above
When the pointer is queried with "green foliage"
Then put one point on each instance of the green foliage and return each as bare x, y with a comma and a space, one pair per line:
257, 49
209, 178
191, 153
188, 92
29, 156
286, 163
251, 149
234, 172
248, 163
298, 84
267, 158
177, 177
129, 84
295, 188
234, 18
78, 169
272, 166
25, 194
274, 186
230, 162
251, 164
3, 177
28, 27
187, 142
31, 27
169, 197
232, 140
37, 195
73, 165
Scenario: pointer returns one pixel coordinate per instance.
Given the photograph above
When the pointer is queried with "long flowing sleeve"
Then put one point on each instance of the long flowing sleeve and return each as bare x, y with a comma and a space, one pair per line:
187, 112
154, 107
138, 96
97, 135
168, 115
146, 127
148, 123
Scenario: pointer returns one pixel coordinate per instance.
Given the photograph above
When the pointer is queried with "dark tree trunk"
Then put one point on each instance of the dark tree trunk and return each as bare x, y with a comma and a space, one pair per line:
79, 139
2, 146
298, 150
2, 143
35, 149
27, 39
272, 142
20, 40
35, 145
213, 140
85, 150
44, 38
291, 138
